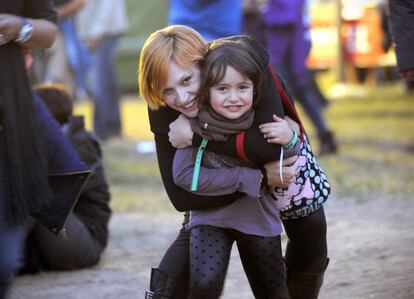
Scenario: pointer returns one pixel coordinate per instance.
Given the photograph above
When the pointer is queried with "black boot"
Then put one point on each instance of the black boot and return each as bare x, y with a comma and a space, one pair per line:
303, 285
327, 144
162, 286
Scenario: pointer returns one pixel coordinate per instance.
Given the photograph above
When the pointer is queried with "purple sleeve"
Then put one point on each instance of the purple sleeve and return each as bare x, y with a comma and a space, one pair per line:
218, 181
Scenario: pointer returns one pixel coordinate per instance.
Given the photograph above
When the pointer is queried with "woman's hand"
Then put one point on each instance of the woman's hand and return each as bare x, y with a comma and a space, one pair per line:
289, 170
181, 134
43, 34
278, 131
10, 26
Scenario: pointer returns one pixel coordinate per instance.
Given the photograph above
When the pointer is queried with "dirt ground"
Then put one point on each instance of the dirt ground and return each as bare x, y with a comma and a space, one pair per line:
371, 245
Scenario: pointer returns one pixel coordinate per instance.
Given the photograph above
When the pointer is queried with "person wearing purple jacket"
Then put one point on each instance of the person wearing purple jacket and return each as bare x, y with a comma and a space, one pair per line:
231, 81
288, 43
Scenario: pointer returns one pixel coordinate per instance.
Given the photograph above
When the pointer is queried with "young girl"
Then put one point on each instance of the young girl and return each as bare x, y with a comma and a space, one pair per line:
231, 83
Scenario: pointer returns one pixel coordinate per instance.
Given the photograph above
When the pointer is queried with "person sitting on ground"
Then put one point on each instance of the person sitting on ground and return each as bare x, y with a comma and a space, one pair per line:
87, 226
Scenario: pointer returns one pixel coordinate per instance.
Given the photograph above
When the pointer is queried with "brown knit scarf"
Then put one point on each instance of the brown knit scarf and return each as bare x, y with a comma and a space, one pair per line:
215, 127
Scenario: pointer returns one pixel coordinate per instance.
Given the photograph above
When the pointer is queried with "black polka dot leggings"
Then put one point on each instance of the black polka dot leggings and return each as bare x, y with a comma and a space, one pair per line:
209, 258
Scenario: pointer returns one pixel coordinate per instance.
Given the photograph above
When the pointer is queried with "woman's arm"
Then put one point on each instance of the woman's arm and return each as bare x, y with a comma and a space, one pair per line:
181, 199
214, 181
40, 15
42, 36
43, 16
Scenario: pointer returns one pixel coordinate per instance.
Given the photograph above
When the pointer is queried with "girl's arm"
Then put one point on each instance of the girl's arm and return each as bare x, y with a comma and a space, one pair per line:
214, 181
181, 199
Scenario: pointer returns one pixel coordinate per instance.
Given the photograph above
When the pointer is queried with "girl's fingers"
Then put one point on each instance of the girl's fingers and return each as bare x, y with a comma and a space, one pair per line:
273, 140
268, 127
277, 118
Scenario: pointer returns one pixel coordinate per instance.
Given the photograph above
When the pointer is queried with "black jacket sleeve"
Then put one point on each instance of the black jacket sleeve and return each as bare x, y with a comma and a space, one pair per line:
181, 199
40, 9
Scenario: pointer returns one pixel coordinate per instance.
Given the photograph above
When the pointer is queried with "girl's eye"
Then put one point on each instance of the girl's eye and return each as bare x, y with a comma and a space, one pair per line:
221, 88
245, 86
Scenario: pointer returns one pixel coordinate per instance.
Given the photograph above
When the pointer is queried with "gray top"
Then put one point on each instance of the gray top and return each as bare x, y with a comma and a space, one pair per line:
255, 214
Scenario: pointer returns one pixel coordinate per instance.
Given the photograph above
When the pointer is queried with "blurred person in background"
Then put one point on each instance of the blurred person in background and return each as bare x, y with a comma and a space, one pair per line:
31, 143
67, 61
100, 24
212, 19
402, 28
253, 24
288, 43
87, 226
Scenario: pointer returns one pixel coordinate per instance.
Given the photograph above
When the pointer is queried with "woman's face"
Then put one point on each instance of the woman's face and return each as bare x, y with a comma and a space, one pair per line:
233, 96
181, 89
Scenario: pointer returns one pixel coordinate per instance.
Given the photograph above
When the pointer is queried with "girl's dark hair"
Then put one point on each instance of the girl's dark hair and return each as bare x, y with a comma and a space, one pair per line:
237, 54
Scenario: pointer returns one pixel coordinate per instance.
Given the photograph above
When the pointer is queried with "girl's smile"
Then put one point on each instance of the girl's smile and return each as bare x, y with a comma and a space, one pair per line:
233, 95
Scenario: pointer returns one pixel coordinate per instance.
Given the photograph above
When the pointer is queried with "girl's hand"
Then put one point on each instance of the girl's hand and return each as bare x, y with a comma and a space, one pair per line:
289, 170
277, 132
181, 134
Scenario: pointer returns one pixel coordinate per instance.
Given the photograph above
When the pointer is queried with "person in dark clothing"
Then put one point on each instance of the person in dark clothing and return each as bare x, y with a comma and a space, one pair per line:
35, 157
87, 226
306, 252
288, 43
402, 28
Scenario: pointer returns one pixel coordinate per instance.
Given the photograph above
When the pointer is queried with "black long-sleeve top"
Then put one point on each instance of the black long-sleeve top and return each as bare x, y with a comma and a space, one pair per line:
256, 147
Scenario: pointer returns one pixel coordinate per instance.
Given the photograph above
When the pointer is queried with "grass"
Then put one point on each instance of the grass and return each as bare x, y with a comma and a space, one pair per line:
372, 125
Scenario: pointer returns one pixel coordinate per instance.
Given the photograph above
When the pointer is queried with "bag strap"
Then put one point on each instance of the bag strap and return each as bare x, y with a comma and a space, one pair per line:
287, 104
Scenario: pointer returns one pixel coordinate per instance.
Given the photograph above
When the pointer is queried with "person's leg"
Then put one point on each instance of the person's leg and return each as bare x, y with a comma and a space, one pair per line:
209, 259
263, 263
114, 118
79, 250
11, 243
314, 87
306, 254
306, 97
170, 279
106, 98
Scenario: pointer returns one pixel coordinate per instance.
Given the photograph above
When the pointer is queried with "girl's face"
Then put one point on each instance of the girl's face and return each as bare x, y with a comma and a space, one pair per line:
233, 96
181, 89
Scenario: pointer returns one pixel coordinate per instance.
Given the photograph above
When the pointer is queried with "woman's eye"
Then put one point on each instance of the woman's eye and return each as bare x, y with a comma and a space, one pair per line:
168, 94
186, 81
